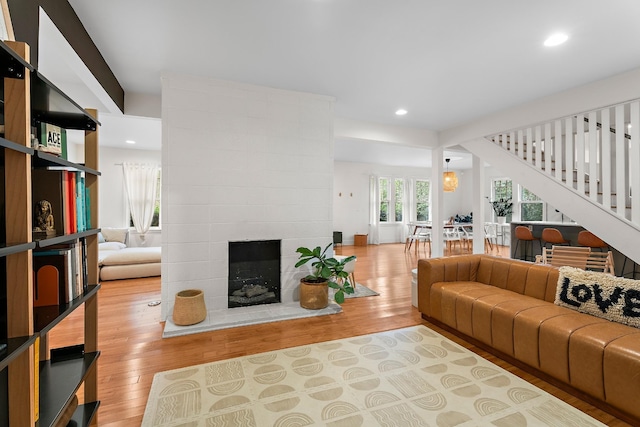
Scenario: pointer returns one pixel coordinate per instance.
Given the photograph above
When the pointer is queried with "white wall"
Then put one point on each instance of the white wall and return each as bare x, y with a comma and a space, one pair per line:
351, 210
240, 162
609, 91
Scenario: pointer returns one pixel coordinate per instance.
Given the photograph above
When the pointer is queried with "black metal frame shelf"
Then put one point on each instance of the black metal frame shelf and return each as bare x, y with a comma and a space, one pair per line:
66, 238
46, 160
49, 104
84, 413
15, 346
6, 250
46, 318
59, 381
15, 147
13, 65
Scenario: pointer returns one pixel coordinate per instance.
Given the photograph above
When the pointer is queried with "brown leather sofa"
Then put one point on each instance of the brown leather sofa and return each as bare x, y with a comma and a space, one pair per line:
507, 306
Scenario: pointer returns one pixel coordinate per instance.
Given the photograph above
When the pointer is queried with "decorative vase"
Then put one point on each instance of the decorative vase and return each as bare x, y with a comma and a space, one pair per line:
189, 307
502, 219
314, 296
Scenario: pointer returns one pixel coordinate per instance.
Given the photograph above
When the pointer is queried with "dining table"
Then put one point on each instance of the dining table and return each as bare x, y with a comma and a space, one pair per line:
417, 225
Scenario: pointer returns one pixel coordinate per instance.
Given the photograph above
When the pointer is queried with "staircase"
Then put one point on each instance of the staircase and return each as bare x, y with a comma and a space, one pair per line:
585, 165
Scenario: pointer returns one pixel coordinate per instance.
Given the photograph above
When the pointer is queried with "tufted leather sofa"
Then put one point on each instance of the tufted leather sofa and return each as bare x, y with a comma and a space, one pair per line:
507, 306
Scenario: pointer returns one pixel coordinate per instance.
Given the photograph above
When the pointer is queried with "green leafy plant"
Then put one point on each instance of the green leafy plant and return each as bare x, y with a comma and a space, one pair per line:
327, 269
502, 206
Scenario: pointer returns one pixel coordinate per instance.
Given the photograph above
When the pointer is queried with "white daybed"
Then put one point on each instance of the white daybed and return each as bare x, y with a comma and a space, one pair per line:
117, 261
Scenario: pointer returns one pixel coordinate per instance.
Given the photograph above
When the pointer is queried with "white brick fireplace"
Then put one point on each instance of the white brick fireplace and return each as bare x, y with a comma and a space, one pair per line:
240, 162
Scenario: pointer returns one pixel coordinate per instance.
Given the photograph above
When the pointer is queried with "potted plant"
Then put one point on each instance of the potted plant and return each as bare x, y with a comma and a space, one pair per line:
502, 207
326, 272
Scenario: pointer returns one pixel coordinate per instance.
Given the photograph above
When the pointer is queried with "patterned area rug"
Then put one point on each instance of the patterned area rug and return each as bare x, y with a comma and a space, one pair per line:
405, 377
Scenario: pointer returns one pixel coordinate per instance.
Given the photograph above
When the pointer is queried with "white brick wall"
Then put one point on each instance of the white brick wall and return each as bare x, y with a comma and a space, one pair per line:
240, 162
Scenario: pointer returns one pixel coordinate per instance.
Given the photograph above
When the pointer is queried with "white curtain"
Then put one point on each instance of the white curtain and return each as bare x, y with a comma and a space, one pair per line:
374, 209
408, 204
141, 186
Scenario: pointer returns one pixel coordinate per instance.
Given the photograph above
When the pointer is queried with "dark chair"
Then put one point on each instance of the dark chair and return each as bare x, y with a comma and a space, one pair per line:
525, 235
554, 237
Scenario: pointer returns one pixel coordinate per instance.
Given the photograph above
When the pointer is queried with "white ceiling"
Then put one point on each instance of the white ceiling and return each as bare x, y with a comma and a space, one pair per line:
446, 62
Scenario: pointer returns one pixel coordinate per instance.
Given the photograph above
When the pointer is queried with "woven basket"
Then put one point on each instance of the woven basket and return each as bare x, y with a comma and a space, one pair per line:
314, 296
189, 307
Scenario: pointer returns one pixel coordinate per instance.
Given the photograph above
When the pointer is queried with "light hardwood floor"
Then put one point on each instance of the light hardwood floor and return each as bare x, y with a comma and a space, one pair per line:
133, 350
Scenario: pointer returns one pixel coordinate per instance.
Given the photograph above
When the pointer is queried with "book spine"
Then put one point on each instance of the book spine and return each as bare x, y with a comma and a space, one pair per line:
80, 202
85, 267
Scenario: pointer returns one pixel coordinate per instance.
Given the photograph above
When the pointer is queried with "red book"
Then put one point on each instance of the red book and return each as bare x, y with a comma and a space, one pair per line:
65, 202
71, 202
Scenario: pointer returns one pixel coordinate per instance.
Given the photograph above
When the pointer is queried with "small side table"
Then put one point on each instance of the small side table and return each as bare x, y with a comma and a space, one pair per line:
360, 240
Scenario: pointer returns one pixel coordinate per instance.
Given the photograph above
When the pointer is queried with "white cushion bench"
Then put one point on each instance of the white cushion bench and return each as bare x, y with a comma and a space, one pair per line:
117, 261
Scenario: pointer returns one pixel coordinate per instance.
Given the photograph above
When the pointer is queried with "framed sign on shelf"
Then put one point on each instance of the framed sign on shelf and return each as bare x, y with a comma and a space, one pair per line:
6, 28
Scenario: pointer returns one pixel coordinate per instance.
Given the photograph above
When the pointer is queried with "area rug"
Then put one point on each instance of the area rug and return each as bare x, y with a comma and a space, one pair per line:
360, 291
404, 377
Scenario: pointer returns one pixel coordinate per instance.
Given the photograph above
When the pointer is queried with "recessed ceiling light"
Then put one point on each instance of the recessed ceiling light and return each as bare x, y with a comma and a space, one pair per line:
401, 112
129, 141
556, 39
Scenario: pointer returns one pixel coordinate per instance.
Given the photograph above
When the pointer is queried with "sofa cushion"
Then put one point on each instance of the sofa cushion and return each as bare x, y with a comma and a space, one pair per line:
586, 354
621, 373
553, 342
599, 294
133, 256
111, 246
526, 329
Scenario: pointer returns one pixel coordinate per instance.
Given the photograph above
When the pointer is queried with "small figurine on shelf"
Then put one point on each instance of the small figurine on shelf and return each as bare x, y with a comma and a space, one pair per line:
44, 221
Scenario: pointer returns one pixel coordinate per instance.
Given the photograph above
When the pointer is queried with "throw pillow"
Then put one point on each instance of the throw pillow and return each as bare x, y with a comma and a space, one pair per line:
115, 234
599, 294
100, 237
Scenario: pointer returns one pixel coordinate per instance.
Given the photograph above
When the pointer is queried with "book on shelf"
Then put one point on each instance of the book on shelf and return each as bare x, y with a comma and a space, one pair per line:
80, 200
36, 379
66, 192
58, 274
72, 214
50, 139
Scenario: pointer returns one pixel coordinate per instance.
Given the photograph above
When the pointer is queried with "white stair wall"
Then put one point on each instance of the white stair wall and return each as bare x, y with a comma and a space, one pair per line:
619, 232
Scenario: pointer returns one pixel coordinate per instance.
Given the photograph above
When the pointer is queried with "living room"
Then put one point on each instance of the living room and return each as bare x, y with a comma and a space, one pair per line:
245, 158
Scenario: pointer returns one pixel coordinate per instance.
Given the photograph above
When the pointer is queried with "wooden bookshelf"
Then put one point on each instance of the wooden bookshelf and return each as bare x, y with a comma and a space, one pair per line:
31, 383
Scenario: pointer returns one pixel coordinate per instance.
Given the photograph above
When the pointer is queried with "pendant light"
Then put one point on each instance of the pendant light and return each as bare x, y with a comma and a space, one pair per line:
449, 179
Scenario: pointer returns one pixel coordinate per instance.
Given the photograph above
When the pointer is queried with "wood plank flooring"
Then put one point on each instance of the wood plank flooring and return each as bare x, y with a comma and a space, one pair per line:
133, 350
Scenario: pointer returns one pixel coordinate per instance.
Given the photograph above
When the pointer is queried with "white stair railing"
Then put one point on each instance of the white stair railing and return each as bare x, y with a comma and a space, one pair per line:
597, 153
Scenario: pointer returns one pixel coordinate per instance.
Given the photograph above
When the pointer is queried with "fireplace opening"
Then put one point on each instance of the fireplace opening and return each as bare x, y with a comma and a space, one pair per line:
254, 273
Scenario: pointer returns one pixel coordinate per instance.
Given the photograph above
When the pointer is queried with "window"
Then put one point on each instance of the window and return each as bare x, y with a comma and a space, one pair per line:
532, 208
155, 221
399, 197
391, 199
422, 200
384, 200
501, 188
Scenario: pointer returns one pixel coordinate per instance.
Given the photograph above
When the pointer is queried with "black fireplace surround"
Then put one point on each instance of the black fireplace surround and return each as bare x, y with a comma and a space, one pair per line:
254, 273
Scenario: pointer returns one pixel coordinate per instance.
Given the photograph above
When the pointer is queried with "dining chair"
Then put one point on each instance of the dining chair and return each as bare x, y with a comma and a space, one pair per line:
349, 267
417, 233
466, 233
491, 234
451, 236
